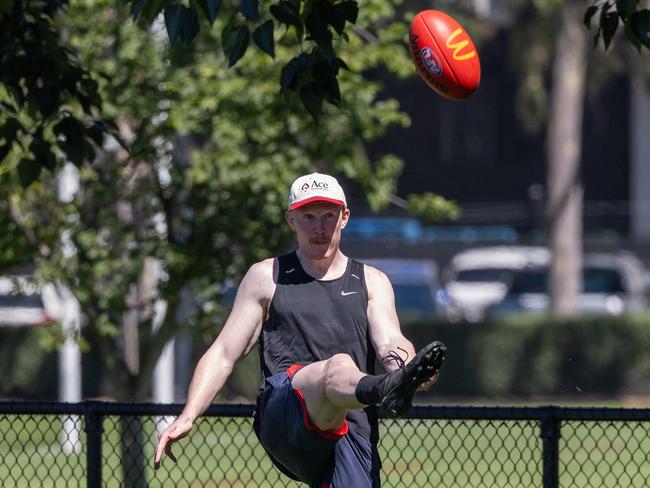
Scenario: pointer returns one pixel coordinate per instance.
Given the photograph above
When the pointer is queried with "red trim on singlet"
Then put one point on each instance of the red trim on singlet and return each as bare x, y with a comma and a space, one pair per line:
334, 434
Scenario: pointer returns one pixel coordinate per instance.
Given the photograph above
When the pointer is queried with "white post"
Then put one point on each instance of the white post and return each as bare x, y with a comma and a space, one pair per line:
163, 373
70, 319
640, 159
70, 370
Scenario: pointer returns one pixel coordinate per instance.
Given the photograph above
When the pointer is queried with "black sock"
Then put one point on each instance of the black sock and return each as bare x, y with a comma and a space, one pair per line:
370, 389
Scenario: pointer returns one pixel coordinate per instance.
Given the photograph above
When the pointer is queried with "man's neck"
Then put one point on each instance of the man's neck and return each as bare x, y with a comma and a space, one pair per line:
328, 268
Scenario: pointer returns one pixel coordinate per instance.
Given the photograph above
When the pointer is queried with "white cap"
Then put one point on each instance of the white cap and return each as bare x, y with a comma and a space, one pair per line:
315, 187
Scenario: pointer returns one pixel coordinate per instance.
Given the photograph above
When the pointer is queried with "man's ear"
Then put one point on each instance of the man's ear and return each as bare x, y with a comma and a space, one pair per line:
288, 216
345, 217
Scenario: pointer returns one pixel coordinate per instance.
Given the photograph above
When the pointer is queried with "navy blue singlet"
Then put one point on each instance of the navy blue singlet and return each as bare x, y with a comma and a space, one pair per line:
311, 320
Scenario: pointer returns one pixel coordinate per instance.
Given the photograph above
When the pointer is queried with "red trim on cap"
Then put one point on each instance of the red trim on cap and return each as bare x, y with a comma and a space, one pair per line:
317, 198
334, 434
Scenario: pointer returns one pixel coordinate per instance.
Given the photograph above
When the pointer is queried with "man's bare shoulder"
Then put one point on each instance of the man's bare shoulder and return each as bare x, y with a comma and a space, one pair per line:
263, 268
374, 274
376, 281
259, 278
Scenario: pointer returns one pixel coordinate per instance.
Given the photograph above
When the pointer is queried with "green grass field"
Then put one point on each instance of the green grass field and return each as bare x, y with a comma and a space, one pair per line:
441, 453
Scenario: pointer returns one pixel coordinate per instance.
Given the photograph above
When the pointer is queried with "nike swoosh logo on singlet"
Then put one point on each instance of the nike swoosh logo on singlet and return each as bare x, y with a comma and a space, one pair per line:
290, 270
346, 293
355, 276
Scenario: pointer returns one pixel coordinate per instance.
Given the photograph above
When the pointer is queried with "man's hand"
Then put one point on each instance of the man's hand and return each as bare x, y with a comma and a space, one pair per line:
429, 383
177, 430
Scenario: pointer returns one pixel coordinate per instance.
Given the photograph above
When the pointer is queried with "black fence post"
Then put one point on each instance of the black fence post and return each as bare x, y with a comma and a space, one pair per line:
94, 429
550, 433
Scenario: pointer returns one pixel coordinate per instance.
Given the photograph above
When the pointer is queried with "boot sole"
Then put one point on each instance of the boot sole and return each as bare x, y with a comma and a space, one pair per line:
398, 400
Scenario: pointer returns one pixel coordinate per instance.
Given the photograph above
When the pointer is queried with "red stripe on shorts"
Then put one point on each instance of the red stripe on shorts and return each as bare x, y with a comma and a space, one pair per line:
334, 434
293, 369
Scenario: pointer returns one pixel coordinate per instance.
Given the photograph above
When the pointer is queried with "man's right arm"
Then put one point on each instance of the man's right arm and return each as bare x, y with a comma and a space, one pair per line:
239, 335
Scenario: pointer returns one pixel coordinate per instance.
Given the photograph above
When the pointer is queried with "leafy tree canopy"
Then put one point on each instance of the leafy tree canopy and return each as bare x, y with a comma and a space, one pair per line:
611, 14
51, 109
201, 191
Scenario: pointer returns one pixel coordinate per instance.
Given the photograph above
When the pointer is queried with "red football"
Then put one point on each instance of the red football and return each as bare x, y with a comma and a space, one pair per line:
444, 55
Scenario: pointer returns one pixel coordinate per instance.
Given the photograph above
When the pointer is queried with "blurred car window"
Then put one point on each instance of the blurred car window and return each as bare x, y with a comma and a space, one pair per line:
483, 275
528, 281
602, 280
415, 283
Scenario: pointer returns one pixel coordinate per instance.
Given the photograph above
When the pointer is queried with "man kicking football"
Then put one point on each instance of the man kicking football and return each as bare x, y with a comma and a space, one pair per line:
320, 319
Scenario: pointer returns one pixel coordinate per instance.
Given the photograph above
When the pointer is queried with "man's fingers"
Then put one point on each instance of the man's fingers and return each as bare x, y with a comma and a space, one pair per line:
428, 383
164, 446
165, 440
160, 448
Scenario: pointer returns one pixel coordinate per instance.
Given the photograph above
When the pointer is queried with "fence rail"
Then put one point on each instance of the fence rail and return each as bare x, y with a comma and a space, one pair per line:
96, 444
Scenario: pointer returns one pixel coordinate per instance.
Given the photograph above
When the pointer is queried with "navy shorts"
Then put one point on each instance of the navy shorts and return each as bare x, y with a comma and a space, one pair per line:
322, 459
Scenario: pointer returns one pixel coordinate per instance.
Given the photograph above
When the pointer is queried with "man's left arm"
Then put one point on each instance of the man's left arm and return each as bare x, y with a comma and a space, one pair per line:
385, 332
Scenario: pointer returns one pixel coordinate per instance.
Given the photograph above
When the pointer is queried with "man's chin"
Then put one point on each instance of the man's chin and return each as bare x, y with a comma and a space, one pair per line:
320, 251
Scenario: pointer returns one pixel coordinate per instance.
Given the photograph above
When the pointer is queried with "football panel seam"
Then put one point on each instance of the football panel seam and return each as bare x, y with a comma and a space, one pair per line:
442, 53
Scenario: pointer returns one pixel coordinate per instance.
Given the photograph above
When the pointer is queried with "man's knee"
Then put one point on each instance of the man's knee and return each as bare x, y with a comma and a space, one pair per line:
339, 362
336, 368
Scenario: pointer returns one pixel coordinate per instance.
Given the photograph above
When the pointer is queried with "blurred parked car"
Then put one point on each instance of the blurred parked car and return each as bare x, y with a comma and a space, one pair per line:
479, 277
612, 284
416, 285
383, 228
24, 304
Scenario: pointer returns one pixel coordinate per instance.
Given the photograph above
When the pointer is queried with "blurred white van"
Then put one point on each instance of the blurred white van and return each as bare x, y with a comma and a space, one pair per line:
479, 277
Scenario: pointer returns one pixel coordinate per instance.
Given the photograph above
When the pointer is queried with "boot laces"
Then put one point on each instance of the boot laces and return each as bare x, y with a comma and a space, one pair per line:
395, 356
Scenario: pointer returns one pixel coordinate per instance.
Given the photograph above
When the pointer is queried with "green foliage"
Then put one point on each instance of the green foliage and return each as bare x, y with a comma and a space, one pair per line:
202, 190
210, 9
530, 357
532, 45
51, 108
263, 38
636, 22
432, 208
14, 246
182, 23
49, 104
312, 74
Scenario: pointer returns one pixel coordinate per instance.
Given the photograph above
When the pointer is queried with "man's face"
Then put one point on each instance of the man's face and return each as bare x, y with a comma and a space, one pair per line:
318, 228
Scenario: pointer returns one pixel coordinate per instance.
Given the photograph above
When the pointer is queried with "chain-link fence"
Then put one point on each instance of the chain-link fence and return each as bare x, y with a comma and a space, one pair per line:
95, 444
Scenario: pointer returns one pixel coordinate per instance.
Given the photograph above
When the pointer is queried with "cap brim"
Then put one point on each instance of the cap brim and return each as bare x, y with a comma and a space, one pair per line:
316, 199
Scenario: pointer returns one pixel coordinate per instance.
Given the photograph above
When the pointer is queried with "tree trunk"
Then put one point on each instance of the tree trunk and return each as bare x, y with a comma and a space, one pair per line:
565, 191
